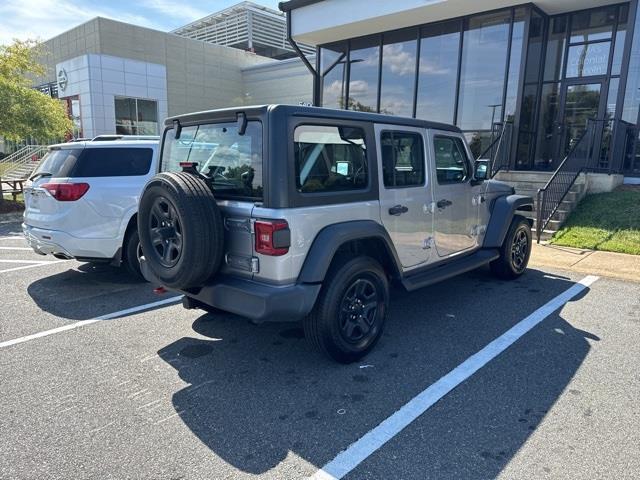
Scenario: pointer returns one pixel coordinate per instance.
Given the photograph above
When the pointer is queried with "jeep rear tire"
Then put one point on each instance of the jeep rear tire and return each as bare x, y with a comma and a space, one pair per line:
515, 250
349, 315
180, 229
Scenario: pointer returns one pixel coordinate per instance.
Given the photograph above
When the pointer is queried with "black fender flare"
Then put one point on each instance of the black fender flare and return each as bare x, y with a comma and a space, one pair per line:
332, 237
502, 213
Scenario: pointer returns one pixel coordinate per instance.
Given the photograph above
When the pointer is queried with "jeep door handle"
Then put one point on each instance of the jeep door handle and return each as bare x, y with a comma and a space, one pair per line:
444, 203
398, 210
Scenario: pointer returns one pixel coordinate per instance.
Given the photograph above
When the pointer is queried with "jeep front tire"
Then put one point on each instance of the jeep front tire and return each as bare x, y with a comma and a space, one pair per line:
515, 250
348, 318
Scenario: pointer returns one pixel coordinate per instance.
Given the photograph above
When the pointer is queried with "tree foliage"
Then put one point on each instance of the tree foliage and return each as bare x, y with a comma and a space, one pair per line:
25, 112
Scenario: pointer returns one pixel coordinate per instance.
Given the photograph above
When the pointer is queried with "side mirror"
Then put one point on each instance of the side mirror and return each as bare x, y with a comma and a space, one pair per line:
481, 170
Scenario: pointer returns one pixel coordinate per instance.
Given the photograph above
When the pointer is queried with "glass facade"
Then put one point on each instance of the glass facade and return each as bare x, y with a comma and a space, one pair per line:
548, 75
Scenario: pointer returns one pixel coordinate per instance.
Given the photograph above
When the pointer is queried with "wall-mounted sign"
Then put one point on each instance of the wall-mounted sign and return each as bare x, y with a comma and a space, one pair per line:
63, 80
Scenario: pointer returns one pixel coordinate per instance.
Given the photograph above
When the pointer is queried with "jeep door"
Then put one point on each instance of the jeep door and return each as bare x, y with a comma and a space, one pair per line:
405, 191
455, 198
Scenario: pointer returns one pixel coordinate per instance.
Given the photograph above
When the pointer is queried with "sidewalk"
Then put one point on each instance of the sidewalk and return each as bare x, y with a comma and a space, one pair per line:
606, 264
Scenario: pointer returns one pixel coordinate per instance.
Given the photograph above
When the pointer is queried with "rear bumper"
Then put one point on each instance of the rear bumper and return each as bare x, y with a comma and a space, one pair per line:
258, 301
61, 244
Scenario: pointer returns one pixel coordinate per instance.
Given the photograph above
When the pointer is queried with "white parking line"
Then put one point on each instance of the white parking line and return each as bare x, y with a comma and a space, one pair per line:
16, 248
360, 450
12, 237
38, 264
82, 323
28, 261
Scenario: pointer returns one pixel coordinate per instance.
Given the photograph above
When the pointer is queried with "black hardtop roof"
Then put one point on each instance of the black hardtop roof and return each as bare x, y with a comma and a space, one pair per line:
301, 110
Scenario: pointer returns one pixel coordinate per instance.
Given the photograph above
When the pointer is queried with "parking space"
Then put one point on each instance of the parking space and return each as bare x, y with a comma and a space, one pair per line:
171, 393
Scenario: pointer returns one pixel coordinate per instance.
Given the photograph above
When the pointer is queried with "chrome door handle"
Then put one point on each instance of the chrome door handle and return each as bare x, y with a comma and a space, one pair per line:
444, 203
398, 210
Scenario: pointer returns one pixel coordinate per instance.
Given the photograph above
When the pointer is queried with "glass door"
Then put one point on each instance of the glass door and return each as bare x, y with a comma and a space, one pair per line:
580, 102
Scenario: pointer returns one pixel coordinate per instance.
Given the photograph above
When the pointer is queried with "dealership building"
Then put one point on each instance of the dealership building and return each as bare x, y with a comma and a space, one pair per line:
552, 70
116, 77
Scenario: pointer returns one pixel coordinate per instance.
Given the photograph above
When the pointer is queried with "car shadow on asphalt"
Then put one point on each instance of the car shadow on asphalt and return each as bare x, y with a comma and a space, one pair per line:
90, 290
258, 393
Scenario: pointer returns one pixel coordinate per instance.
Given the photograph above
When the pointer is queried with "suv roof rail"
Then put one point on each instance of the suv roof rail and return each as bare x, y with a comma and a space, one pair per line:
110, 138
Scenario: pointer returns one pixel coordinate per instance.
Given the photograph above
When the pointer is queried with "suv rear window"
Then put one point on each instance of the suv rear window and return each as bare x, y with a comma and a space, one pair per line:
96, 162
330, 159
233, 161
113, 162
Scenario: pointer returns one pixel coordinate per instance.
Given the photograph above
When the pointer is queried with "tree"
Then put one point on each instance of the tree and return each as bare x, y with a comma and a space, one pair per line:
25, 112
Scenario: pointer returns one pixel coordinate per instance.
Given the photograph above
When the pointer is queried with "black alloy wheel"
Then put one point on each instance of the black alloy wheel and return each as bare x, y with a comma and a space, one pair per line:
358, 310
166, 232
520, 249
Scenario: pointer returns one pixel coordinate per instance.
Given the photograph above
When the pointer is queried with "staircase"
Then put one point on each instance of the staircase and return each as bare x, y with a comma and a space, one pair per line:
528, 183
20, 164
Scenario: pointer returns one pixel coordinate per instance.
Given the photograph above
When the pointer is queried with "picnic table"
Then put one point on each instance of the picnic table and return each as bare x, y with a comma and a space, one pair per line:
16, 187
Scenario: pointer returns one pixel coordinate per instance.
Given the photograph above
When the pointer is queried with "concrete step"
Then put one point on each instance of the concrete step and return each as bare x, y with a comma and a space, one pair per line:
559, 215
571, 197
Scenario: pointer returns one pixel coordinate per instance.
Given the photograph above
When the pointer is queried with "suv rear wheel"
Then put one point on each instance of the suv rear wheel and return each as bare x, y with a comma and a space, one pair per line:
349, 315
515, 250
132, 252
180, 228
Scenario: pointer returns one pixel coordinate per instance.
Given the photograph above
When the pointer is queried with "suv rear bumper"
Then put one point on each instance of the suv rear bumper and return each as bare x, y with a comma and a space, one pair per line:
258, 301
61, 244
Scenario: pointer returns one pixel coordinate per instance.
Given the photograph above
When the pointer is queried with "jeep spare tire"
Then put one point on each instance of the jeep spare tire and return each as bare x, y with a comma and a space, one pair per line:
180, 228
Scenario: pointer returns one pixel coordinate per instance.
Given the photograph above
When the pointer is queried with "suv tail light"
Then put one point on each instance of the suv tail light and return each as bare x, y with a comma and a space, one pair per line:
66, 192
273, 237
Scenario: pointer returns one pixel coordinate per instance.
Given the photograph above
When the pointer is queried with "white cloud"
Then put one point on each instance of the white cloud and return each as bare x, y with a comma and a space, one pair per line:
43, 19
397, 60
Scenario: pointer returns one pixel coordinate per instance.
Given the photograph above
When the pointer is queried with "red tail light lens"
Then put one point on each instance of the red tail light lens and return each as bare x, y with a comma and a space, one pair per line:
66, 192
272, 237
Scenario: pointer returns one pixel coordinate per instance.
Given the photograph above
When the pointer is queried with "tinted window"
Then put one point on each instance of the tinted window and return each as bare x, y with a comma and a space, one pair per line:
333, 59
452, 165
233, 161
58, 163
398, 73
330, 159
113, 162
402, 159
364, 60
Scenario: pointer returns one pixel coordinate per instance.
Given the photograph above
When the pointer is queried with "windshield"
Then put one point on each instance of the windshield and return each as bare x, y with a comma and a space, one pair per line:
58, 163
233, 161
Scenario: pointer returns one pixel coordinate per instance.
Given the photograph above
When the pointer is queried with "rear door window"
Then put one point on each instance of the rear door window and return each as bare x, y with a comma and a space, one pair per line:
330, 158
113, 162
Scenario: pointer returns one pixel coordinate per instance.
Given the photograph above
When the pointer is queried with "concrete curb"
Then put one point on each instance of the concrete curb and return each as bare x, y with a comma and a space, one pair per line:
606, 264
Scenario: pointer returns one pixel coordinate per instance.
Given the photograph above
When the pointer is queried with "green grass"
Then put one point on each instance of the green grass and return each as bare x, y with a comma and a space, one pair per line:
605, 221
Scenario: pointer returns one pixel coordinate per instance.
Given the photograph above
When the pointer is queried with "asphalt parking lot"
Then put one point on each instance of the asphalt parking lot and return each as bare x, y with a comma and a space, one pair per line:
93, 386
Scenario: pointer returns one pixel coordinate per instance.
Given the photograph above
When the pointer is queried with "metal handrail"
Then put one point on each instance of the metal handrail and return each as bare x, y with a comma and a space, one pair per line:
550, 197
22, 157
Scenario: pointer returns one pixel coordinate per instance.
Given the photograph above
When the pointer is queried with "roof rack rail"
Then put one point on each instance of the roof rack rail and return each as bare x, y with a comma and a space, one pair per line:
110, 138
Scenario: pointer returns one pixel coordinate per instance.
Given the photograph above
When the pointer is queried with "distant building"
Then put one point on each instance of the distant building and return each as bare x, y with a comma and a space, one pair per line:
120, 78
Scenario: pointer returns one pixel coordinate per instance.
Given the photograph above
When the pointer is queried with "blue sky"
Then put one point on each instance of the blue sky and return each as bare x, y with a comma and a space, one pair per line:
43, 19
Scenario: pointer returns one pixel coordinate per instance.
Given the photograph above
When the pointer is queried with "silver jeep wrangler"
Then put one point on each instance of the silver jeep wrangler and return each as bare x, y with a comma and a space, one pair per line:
292, 213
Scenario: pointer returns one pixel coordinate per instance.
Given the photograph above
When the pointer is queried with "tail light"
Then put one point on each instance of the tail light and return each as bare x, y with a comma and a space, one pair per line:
66, 192
273, 237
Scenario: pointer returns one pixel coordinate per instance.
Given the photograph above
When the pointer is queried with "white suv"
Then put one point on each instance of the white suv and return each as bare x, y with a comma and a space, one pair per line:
82, 200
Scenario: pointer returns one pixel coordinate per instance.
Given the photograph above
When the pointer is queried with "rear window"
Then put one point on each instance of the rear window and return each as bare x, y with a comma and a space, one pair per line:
233, 161
113, 162
58, 163
330, 159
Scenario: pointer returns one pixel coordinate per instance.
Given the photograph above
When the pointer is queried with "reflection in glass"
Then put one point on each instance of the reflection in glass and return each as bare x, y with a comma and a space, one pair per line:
547, 126
581, 104
478, 142
593, 25
363, 77
587, 60
621, 34
332, 65
534, 54
517, 40
398, 73
555, 48
484, 56
606, 147
438, 72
